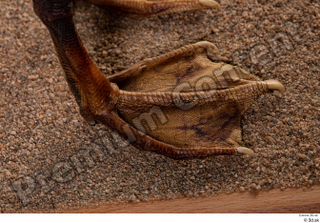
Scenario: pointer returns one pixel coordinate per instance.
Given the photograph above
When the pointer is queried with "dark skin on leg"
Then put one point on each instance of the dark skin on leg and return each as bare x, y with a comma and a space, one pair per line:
192, 121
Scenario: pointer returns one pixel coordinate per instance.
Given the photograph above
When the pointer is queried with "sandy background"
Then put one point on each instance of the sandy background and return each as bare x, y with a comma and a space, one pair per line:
51, 160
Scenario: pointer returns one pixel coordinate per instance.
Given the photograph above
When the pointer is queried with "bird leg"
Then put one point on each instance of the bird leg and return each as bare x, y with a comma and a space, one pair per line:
92, 90
197, 99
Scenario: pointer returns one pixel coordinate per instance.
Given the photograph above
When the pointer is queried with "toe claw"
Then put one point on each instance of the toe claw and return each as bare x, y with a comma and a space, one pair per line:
245, 150
275, 85
208, 45
210, 4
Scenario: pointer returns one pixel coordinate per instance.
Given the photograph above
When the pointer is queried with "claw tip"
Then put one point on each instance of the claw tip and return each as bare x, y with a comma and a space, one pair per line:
210, 4
207, 45
275, 85
245, 150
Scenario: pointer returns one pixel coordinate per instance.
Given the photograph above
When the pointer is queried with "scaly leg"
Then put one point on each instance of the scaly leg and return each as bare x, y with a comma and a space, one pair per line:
147, 8
92, 90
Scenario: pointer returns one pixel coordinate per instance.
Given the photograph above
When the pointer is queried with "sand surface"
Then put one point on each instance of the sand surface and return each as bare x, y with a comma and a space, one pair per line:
51, 160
